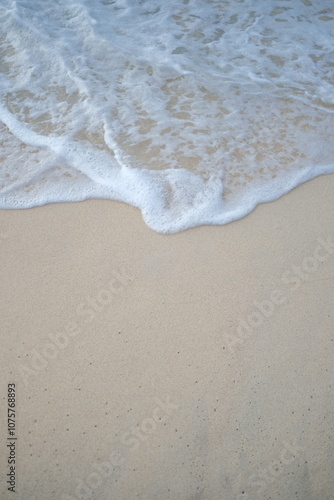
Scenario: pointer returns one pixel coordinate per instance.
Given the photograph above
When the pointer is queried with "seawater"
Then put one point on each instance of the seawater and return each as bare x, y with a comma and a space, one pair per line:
193, 111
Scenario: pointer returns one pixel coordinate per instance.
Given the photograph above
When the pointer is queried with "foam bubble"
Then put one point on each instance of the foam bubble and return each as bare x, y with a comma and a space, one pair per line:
194, 112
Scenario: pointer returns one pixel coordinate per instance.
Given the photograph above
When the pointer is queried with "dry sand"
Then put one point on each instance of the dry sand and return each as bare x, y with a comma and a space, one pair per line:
198, 365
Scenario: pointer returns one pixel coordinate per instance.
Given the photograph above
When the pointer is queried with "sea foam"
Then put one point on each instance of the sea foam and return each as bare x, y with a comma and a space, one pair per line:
194, 112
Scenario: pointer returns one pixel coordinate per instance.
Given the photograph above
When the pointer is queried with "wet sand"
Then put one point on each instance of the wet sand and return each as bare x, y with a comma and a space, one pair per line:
198, 365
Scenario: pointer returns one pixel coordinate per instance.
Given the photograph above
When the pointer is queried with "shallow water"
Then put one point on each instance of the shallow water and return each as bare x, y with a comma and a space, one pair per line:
194, 112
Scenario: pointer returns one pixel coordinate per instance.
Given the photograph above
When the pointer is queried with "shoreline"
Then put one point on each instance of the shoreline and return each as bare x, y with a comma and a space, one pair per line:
197, 364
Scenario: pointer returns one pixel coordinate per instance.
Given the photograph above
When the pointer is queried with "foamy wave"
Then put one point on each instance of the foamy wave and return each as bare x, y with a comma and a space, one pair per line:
194, 112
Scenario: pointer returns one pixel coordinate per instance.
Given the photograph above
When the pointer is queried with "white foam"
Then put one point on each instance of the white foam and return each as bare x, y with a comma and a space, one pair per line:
194, 112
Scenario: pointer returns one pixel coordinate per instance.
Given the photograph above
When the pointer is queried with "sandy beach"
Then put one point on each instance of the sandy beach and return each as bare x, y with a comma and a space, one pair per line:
198, 365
